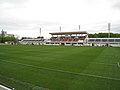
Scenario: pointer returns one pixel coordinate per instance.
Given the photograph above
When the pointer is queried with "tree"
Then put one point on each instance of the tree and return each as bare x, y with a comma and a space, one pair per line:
2, 36
40, 37
7, 38
26, 38
104, 35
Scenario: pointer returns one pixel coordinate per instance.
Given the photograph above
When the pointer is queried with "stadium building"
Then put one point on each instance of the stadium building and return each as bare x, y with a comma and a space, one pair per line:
78, 38
34, 41
103, 41
4, 34
67, 38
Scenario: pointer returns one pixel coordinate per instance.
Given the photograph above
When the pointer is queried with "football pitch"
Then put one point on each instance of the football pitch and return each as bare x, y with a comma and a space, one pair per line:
31, 67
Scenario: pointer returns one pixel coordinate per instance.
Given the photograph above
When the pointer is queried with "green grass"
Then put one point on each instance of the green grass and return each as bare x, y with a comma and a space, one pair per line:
60, 67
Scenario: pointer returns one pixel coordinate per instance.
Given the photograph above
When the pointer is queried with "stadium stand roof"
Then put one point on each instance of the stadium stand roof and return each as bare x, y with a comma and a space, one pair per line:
63, 33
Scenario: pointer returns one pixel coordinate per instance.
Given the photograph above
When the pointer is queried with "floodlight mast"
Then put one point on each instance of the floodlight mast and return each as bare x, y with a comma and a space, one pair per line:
40, 31
79, 27
109, 27
60, 28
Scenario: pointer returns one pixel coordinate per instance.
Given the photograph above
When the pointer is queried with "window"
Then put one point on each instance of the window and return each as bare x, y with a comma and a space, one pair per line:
98, 40
111, 40
117, 40
91, 40
104, 40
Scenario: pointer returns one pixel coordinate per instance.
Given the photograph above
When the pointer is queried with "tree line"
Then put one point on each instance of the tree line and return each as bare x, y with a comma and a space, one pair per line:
6, 39
96, 35
104, 35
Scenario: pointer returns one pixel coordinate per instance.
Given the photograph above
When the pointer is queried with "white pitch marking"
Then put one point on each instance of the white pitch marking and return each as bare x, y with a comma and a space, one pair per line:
105, 64
62, 71
118, 64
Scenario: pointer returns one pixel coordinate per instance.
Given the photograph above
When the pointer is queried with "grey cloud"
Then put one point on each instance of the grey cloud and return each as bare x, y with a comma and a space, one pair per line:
116, 4
116, 29
16, 24
13, 1
13, 4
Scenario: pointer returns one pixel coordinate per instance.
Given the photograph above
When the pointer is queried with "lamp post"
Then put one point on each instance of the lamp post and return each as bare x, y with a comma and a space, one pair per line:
109, 26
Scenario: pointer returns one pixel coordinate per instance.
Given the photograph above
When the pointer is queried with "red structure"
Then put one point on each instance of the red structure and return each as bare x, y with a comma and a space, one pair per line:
70, 38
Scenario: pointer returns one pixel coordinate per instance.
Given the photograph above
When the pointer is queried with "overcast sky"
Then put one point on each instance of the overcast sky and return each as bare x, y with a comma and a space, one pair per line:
25, 17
